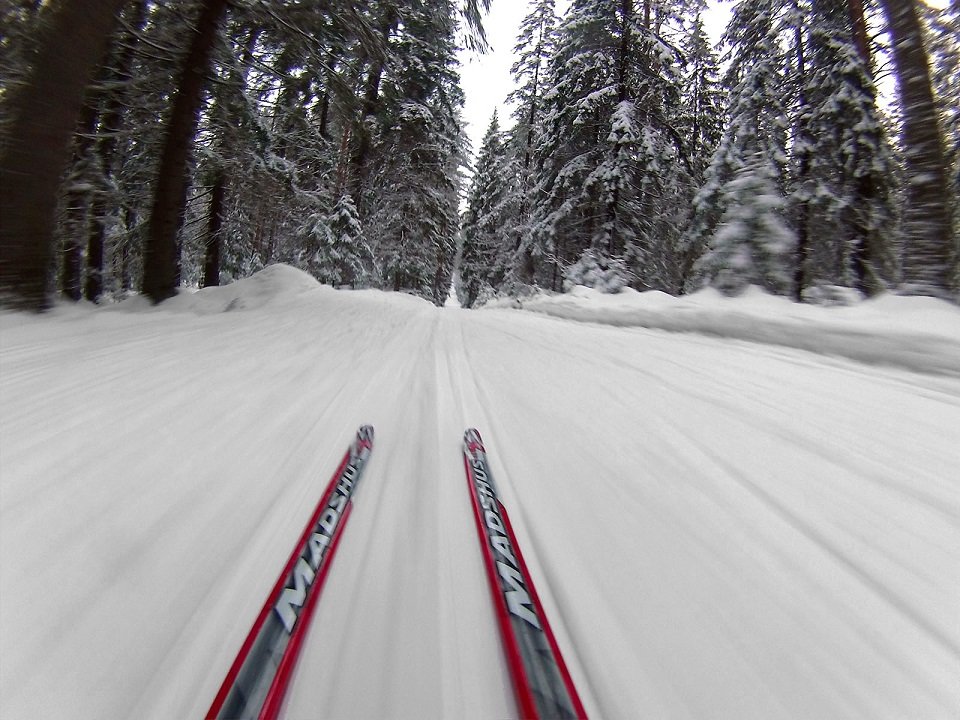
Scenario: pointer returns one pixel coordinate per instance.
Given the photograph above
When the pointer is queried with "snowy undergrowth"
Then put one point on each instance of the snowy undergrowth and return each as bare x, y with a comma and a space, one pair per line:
914, 333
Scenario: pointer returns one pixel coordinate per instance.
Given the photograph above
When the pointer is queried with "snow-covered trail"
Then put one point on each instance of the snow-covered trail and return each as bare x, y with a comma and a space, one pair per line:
718, 529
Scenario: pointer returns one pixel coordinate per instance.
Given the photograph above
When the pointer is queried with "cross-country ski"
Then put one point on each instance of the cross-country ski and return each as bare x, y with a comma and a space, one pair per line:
256, 682
542, 684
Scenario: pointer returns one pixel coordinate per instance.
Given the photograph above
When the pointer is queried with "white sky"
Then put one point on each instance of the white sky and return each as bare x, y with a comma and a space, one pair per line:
486, 78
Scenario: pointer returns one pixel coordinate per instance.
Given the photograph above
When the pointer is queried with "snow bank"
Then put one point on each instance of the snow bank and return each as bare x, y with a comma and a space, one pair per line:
273, 283
915, 333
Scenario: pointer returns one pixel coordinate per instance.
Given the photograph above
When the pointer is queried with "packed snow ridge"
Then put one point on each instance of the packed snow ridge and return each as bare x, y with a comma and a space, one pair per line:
913, 333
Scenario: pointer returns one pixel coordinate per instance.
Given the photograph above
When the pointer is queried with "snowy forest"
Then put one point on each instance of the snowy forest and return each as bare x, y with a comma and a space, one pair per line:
151, 145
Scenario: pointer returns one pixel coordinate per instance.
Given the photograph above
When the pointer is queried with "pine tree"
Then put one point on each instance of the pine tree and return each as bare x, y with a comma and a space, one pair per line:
536, 42
44, 113
929, 252
848, 184
702, 99
752, 245
611, 152
344, 257
944, 44
306, 102
418, 151
756, 134
116, 98
486, 252
161, 253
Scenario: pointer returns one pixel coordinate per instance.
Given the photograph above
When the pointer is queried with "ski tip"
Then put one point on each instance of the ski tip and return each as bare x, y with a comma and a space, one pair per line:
365, 434
472, 440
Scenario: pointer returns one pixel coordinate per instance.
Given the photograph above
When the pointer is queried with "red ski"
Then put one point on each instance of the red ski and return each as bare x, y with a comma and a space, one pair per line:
541, 681
256, 682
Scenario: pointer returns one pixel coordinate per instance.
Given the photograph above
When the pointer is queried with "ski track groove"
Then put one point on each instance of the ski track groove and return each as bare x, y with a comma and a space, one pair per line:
840, 454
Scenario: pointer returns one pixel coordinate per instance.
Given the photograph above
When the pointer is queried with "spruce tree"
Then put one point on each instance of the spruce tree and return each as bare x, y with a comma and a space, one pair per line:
486, 245
929, 252
535, 44
752, 244
611, 151
344, 257
755, 134
848, 186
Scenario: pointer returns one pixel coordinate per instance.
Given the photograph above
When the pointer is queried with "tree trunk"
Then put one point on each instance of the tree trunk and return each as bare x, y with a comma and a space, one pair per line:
371, 98
865, 277
44, 115
623, 64
927, 247
78, 210
325, 98
93, 287
864, 253
527, 263
802, 254
161, 261
110, 124
859, 24
70, 278
130, 220
211, 262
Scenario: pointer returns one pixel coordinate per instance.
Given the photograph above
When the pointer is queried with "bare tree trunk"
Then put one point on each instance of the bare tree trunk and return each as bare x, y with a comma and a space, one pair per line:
93, 286
859, 23
211, 261
110, 125
71, 269
802, 254
371, 99
45, 111
161, 261
78, 205
325, 98
927, 251
623, 60
130, 221
863, 258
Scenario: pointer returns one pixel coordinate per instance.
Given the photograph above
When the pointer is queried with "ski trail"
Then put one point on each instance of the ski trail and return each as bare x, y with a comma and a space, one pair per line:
488, 422
463, 582
372, 594
631, 383
717, 529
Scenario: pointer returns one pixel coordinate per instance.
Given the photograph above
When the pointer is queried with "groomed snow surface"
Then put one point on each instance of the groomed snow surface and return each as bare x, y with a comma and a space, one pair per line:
758, 517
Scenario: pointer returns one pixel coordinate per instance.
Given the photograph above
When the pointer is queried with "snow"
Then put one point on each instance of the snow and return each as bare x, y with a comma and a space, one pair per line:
914, 333
720, 524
